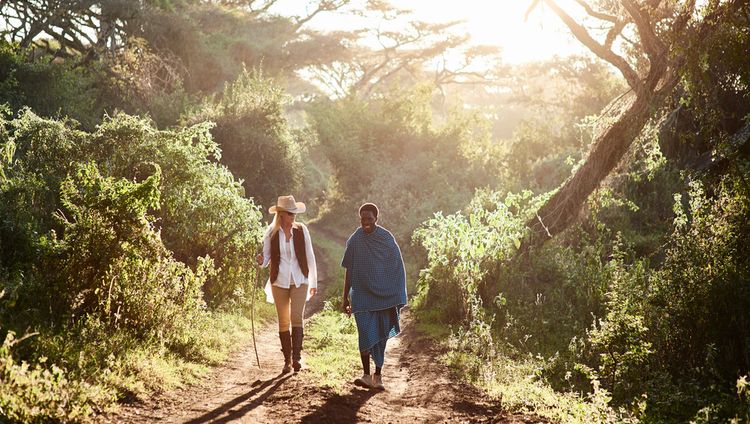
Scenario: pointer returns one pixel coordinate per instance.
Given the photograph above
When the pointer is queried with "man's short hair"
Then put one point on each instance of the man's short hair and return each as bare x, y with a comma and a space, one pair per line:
369, 207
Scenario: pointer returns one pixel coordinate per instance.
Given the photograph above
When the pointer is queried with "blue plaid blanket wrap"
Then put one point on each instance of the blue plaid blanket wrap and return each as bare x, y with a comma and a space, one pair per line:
377, 288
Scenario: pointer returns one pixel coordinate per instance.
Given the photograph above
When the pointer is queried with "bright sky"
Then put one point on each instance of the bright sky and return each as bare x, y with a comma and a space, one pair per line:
492, 22
501, 23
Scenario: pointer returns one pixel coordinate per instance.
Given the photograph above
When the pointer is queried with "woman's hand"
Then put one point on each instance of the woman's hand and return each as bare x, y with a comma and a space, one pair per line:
346, 308
313, 291
259, 259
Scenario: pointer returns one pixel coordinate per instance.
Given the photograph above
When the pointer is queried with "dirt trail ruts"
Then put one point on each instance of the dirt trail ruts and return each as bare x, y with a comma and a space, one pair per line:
418, 390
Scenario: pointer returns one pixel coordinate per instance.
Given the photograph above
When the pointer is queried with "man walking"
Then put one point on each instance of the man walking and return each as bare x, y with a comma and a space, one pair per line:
374, 290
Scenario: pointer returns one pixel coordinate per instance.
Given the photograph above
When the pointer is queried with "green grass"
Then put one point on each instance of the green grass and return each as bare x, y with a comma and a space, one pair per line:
514, 379
150, 369
77, 375
429, 323
331, 347
333, 251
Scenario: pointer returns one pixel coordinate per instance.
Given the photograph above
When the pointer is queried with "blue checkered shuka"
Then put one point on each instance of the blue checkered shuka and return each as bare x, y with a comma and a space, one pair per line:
377, 288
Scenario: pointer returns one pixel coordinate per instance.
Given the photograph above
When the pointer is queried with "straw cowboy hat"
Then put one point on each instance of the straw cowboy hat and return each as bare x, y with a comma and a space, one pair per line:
287, 203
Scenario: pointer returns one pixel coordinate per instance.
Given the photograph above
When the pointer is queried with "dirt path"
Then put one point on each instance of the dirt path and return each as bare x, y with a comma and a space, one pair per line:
418, 390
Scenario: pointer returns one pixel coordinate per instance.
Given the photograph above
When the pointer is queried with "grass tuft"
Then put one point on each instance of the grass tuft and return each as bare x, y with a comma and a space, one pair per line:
332, 348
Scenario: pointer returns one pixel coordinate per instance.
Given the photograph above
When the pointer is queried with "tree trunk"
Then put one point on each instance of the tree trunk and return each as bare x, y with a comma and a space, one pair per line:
563, 207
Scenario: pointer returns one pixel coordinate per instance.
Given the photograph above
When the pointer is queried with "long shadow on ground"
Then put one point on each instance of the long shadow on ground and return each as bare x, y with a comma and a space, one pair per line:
257, 395
340, 408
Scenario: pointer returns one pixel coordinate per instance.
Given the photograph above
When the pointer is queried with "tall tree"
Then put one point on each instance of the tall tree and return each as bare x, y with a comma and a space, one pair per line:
401, 51
648, 42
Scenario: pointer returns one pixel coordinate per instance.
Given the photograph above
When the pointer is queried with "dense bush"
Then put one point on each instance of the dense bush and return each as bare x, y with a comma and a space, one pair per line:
389, 152
52, 88
113, 266
256, 142
671, 328
203, 211
37, 393
112, 241
462, 249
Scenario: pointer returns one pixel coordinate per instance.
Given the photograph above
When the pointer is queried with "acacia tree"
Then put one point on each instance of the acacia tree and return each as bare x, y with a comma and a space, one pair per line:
84, 29
206, 42
648, 42
403, 51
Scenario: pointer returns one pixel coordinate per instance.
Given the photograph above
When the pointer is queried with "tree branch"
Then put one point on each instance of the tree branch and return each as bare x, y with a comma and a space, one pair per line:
323, 6
651, 43
684, 17
584, 37
594, 13
613, 33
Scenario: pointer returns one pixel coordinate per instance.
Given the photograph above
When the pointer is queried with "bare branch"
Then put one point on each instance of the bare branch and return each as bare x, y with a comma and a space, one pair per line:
262, 8
530, 9
584, 37
594, 13
613, 33
651, 43
323, 6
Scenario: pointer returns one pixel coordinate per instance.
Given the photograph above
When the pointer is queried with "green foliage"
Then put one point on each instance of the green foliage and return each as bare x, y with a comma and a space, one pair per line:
111, 242
460, 248
52, 88
716, 95
256, 142
389, 152
331, 347
621, 339
702, 289
115, 268
513, 379
661, 335
37, 393
203, 211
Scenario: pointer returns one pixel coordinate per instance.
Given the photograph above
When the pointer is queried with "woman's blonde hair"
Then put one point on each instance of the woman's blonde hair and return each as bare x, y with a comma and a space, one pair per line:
276, 225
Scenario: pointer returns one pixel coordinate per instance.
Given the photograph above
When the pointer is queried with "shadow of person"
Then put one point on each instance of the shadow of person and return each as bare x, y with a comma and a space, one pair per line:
340, 408
260, 392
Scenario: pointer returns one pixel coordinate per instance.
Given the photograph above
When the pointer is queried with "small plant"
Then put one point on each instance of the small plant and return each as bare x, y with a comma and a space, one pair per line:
332, 349
41, 393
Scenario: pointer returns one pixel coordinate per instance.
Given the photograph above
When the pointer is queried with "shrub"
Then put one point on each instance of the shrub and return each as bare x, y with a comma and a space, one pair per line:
203, 211
110, 243
462, 249
50, 87
112, 263
39, 393
256, 142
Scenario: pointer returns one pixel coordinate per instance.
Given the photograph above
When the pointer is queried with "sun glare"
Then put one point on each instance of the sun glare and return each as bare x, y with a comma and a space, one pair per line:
497, 23
501, 23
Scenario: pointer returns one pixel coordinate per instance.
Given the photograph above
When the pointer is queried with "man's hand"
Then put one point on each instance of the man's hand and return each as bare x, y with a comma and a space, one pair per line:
313, 291
346, 308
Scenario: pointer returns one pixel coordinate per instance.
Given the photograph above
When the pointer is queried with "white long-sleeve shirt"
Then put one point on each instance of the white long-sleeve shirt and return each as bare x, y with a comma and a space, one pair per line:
289, 269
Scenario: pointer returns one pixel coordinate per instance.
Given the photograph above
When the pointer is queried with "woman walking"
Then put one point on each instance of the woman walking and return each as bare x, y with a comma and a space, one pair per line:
293, 280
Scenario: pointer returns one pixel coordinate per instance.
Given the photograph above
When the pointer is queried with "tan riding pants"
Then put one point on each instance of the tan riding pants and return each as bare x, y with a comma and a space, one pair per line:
290, 305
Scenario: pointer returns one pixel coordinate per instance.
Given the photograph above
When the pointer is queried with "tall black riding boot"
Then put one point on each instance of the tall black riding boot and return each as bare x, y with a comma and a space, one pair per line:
286, 349
297, 335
